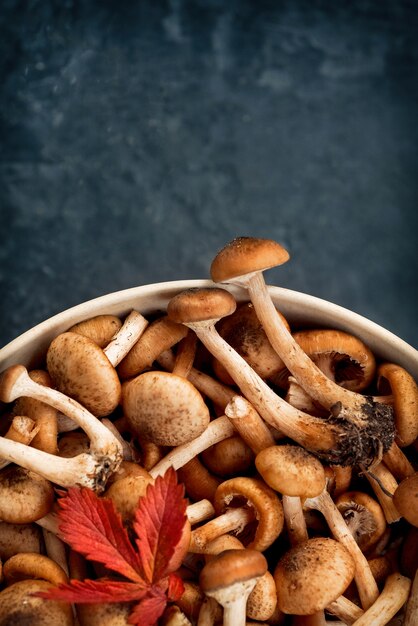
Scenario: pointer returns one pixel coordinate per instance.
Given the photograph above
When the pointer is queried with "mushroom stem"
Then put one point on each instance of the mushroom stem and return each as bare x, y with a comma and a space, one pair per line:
55, 549
185, 355
344, 405
234, 519
22, 430
411, 616
126, 337
393, 597
249, 424
127, 451
84, 470
200, 511
397, 462
344, 609
384, 486
366, 584
294, 519
217, 430
15, 382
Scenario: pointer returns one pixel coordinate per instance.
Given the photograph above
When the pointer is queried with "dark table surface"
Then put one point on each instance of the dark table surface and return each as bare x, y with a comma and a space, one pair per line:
137, 138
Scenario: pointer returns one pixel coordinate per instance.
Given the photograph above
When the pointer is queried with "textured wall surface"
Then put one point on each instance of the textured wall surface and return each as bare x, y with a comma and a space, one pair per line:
137, 138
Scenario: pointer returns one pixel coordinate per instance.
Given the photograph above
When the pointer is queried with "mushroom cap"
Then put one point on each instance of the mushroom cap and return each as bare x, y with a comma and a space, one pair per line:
405, 400
353, 362
244, 332
244, 255
19, 607
311, 575
230, 567
15, 538
228, 457
81, 370
162, 334
261, 499
104, 614
126, 492
24, 495
28, 565
405, 499
291, 470
262, 600
201, 304
164, 408
99, 329
364, 516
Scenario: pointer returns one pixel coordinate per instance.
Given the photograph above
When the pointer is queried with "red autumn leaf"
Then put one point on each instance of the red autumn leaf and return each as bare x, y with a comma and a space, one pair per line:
159, 523
93, 591
147, 612
92, 526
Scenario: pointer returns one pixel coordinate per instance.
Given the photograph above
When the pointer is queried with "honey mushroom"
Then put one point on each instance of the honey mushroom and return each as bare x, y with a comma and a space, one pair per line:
15, 538
397, 381
200, 309
101, 329
22, 429
199, 482
160, 335
311, 575
242, 503
229, 578
91, 469
393, 597
368, 425
86, 372
18, 605
24, 496
229, 457
364, 517
406, 499
164, 409
27, 565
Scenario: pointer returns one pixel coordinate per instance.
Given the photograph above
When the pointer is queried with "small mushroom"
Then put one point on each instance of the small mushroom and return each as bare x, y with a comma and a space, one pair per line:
199, 482
311, 575
396, 380
24, 496
406, 499
242, 262
363, 516
230, 457
101, 329
160, 335
229, 578
90, 470
365, 581
85, 372
164, 408
18, 605
23, 430
28, 565
15, 538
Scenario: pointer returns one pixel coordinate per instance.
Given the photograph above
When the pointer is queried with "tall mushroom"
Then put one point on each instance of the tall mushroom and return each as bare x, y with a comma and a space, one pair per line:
369, 425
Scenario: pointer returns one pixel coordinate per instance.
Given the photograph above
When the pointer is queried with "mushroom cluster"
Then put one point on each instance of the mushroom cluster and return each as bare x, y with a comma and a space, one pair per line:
297, 448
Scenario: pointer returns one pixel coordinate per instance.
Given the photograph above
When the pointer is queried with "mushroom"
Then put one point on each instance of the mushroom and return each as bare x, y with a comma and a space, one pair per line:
16, 538
55, 549
229, 578
200, 309
24, 496
126, 492
85, 372
199, 511
406, 499
160, 335
363, 516
368, 425
164, 408
185, 355
199, 482
342, 357
173, 616
393, 597
249, 424
396, 380
384, 485
365, 581
22, 429
19, 605
230, 457
244, 332
28, 565
90, 470
239, 502
101, 329
411, 615
346, 610
311, 575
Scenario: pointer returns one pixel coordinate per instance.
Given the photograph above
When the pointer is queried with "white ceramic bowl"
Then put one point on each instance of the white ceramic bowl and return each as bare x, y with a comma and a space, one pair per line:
300, 309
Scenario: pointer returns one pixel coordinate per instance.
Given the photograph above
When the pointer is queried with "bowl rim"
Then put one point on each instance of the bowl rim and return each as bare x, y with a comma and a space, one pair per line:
300, 308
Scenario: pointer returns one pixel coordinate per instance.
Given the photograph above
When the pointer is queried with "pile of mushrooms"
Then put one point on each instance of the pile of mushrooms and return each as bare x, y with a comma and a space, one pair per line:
297, 449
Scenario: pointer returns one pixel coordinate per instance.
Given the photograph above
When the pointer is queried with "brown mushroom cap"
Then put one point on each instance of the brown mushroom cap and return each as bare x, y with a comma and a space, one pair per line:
232, 566
311, 575
81, 370
261, 499
28, 565
364, 517
164, 408
99, 329
291, 470
19, 606
229, 457
15, 538
104, 614
160, 335
396, 380
126, 492
198, 305
405, 499
244, 255
24, 496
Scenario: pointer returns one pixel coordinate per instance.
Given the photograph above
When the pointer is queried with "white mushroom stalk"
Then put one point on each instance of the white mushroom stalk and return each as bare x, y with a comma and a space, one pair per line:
346, 610
132, 329
241, 262
313, 433
94, 468
366, 584
393, 597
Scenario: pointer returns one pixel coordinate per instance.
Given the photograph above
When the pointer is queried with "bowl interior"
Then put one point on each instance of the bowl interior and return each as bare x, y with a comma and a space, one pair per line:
301, 310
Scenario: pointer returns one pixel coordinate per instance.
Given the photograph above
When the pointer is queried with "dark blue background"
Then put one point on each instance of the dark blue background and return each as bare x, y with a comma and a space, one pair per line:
137, 138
